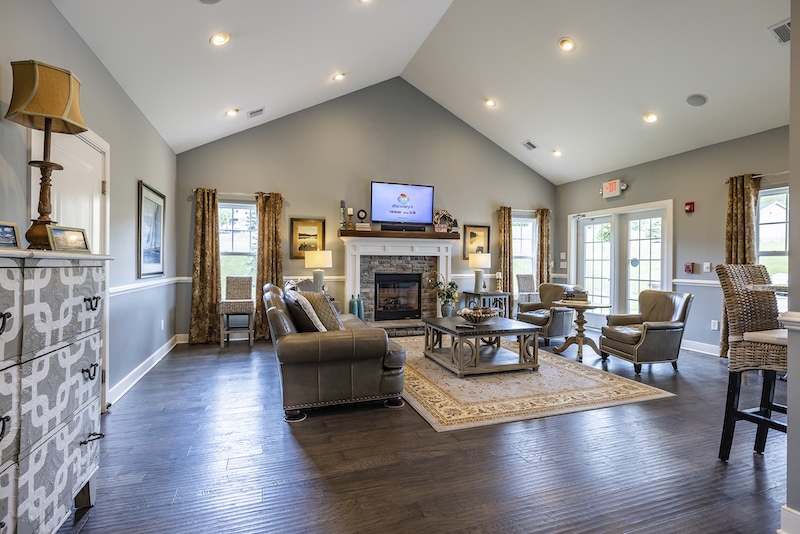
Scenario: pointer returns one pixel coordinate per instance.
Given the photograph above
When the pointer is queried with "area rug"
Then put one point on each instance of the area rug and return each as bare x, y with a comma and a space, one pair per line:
559, 386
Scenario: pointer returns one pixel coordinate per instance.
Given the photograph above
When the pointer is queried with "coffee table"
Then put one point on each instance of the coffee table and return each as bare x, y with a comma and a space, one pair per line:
475, 348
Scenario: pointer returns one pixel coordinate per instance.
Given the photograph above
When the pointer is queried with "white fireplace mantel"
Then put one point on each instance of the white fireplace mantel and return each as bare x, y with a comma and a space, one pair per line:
357, 246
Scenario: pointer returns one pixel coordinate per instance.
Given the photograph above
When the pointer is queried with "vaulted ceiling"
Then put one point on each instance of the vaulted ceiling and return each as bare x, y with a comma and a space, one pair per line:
631, 57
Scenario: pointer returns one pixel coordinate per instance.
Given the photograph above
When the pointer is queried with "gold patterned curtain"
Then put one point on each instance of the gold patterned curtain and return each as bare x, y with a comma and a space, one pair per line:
506, 254
270, 260
206, 293
543, 254
740, 232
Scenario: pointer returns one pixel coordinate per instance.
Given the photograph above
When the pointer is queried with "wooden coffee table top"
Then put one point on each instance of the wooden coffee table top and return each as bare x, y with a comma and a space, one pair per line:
499, 326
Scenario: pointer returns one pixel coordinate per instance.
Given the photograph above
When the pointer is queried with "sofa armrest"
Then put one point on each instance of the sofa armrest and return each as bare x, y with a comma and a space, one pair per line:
618, 320
334, 345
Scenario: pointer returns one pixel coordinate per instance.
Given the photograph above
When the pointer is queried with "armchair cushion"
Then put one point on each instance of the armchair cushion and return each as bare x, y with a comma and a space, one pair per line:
628, 334
539, 317
324, 309
302, 312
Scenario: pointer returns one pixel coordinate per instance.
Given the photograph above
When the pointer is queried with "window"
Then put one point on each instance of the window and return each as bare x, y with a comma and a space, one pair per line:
773, 233
238, 241
524, 246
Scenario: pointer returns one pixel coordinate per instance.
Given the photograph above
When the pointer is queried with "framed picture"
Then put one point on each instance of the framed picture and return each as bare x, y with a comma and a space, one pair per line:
476, 239
65, 239
151, 232
9, 235
307, 234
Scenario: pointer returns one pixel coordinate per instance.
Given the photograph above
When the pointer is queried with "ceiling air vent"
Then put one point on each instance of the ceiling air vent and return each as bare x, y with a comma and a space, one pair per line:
255, 113
527, 144
782, 32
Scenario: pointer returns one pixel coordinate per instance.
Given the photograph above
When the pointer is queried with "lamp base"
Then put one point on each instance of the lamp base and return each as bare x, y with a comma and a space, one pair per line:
37, 235
479, 285
319, 279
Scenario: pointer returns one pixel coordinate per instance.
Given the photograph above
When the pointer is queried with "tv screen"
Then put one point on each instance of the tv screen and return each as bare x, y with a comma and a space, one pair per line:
401, 203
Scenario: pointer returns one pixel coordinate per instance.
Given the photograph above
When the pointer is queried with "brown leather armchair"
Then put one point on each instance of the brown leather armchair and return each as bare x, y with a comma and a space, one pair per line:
555, 321
651, 336
356, 364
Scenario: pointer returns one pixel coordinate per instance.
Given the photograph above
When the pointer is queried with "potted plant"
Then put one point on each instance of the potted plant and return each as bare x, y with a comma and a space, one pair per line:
447, 293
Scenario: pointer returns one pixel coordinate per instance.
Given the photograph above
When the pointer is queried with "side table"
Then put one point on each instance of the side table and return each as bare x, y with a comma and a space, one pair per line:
489, 299
579, 338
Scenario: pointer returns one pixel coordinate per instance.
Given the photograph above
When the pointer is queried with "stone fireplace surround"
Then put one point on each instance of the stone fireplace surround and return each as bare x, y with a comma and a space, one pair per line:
367, 254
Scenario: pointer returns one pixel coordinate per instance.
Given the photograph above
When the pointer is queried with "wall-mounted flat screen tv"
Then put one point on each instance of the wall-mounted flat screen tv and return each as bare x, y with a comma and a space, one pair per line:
401, 203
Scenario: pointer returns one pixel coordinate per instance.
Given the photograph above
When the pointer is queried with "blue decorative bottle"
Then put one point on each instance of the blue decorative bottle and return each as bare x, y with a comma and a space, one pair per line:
353, 305
360, 305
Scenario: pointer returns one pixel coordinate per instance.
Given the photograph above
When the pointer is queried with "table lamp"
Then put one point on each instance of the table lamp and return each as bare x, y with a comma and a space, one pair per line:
480, 261
45, 98
319, 260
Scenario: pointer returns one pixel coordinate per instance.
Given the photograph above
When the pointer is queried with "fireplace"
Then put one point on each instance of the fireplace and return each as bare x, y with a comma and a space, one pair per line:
398, 296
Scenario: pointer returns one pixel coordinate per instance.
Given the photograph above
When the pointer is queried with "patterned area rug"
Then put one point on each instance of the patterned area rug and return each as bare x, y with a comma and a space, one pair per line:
559, 386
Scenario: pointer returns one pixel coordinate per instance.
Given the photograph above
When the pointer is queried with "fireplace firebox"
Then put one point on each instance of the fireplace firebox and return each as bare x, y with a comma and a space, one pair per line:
398, 296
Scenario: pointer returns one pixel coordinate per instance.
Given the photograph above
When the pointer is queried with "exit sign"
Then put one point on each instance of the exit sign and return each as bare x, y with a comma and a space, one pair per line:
612, 188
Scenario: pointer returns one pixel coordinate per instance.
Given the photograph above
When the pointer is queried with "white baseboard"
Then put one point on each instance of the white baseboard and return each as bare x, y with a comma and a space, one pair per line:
116, 393
705, 348
790, 521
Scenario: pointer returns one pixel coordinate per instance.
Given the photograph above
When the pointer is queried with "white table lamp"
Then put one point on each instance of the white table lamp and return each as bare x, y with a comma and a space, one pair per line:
319, 260
479, 262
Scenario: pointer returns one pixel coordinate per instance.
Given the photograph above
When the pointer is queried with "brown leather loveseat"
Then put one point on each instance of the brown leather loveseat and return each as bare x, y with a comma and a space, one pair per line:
348, 362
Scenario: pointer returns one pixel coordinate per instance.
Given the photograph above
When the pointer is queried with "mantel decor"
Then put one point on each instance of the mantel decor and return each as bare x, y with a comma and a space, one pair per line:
151, 231
65, 239
9, 235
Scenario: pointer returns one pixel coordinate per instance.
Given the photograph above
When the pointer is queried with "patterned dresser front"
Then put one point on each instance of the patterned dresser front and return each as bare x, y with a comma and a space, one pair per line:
49, 387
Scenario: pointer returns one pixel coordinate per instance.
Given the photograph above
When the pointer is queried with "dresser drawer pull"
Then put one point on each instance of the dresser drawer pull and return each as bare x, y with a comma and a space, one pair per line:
3, 421
91, 372
6, 316
91, 303
93, 436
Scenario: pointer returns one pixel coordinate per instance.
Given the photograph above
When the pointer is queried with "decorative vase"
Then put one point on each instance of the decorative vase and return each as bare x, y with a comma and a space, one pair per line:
447, 309
360, 306
353, 305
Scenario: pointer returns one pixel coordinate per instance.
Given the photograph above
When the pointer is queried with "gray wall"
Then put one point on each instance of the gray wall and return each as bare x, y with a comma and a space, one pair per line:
697, 176
330, 152
34, 29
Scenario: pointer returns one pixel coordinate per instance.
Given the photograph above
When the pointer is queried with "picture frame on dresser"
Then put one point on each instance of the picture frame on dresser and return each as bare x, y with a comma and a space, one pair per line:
9, 235
65, 239
476, 239
306, 234
150, 228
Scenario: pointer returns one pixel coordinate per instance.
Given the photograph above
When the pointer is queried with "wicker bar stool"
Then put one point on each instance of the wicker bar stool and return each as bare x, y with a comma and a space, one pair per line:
756, 342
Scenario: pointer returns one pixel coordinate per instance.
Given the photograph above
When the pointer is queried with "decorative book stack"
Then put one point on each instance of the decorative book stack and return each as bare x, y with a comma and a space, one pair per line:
363, 226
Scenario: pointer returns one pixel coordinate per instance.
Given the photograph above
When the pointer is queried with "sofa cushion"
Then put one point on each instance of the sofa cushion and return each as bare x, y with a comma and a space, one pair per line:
324, 309
301, 310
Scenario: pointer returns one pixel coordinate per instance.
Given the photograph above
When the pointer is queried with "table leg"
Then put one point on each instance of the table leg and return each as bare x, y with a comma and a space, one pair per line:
579, 338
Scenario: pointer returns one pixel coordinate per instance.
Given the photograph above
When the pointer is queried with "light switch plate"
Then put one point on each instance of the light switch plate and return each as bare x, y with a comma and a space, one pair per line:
706, 266
562, 255
562, 265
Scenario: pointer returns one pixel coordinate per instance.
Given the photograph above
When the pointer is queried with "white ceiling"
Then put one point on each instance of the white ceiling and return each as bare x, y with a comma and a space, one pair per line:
632, 57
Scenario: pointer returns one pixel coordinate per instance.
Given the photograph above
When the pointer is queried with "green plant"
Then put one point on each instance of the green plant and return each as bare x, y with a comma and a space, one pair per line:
446, 291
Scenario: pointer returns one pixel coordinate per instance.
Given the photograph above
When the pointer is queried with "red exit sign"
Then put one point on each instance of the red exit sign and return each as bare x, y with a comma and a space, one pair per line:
612, 188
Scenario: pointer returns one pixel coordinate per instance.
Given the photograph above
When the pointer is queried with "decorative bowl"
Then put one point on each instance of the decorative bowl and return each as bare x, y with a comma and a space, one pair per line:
478, 315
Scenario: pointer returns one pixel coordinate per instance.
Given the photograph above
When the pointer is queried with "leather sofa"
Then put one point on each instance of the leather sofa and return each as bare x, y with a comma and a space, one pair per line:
356, 363
651, 336
555, 321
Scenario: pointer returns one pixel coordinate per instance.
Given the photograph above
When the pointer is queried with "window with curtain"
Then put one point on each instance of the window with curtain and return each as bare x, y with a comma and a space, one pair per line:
772, 243
238, 240
523, 239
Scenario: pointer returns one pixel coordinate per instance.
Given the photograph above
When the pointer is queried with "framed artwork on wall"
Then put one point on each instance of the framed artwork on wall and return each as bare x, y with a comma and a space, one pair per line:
65, 239
476, 239
150, 232
9, 235
306, 234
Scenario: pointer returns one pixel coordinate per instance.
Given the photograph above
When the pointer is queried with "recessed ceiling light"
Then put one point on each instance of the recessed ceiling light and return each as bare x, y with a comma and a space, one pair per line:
650, 117
556, 152
566, 44
219, 39
232, 112
339, 76
208, 2
697, 100
490, 102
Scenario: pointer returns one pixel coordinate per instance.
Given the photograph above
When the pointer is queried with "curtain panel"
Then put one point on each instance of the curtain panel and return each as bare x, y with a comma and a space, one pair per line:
544, 255
740, 233
269, 268
206, 292
506, 254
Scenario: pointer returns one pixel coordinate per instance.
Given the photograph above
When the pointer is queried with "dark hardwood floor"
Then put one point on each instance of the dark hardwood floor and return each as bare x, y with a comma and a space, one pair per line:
199, 446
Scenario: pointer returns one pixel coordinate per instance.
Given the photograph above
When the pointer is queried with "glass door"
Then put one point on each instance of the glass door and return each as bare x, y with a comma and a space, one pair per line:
643, 257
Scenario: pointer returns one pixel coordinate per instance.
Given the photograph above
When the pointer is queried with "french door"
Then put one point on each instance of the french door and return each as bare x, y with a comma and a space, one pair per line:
617, 255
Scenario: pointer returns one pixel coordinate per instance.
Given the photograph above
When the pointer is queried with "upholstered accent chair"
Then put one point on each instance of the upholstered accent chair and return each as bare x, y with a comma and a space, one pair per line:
756, 342
555, 321
651, 336
238, 301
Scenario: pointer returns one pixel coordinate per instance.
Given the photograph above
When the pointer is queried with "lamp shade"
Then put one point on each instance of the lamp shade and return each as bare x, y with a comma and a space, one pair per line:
319, 259
42, 92
480, 260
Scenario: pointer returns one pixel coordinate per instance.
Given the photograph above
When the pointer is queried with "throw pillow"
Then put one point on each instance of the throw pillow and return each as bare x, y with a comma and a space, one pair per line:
324, 308
302, 312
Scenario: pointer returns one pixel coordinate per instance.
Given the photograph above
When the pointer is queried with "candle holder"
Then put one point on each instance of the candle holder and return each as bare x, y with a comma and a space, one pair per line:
350, 225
